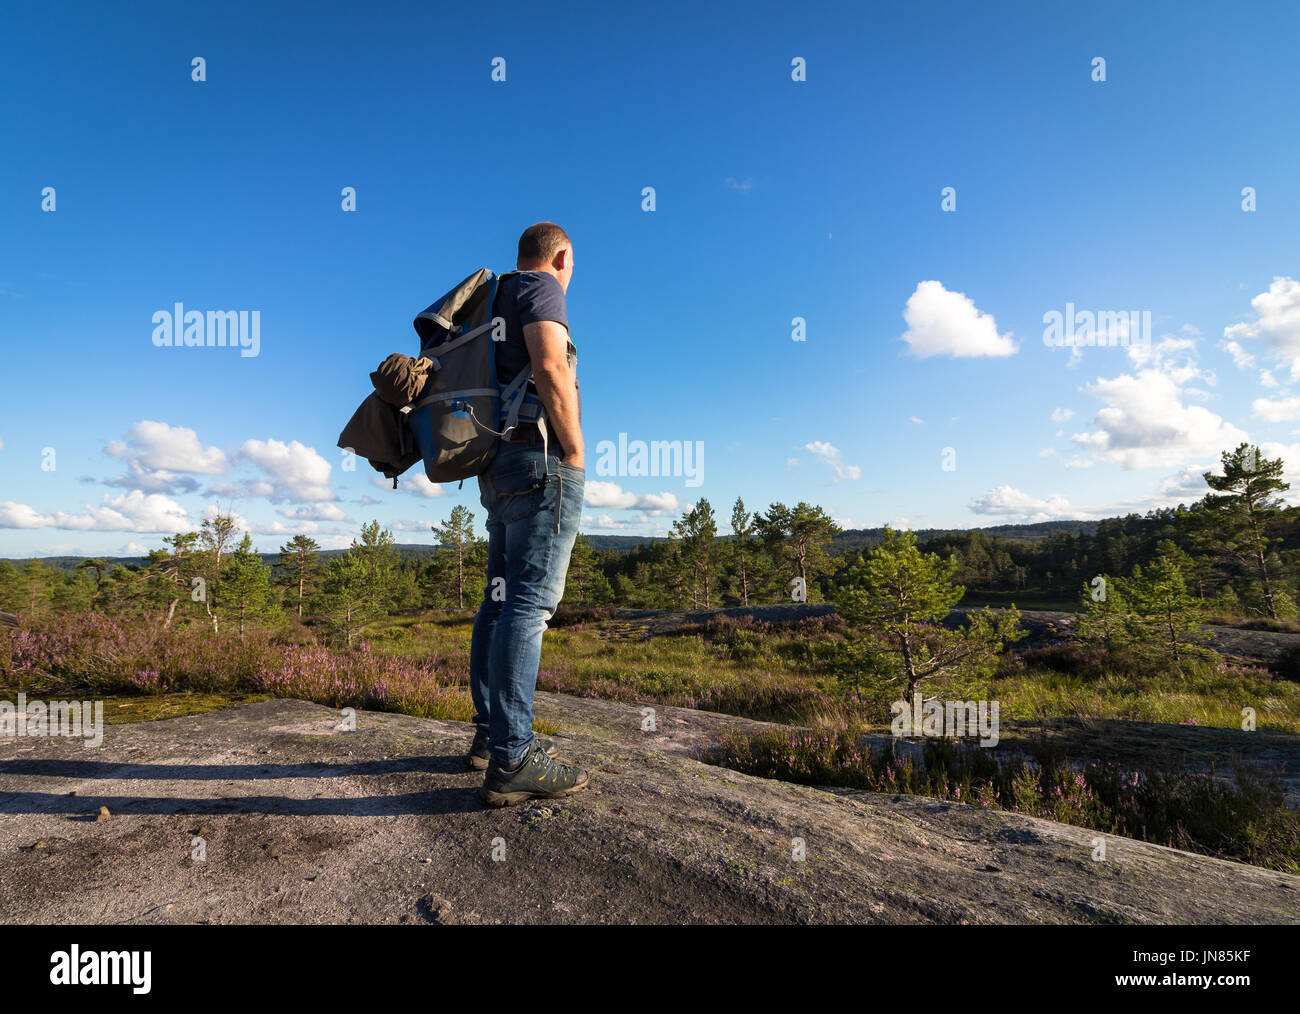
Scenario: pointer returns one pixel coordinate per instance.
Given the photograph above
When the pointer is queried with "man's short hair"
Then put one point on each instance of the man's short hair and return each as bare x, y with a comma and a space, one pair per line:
541, 242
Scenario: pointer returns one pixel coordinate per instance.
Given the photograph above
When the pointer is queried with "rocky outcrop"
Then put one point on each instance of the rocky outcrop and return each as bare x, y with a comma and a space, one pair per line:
270, 812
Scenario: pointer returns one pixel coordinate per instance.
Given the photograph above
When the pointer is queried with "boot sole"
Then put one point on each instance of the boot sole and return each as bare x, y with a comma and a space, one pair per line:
491, 798
481, 763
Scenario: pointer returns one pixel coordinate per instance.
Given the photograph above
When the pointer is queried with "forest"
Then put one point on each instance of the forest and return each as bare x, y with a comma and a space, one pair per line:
1236, 550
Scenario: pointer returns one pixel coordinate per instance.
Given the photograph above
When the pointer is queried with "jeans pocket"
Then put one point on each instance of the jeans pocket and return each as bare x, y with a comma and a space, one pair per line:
516, 492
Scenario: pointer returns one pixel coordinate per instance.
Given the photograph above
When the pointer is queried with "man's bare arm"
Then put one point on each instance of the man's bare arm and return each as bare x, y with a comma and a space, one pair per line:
548, 343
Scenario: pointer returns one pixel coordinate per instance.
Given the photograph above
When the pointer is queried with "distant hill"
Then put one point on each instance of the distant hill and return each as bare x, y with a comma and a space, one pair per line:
856, 538
853, 539
622, 543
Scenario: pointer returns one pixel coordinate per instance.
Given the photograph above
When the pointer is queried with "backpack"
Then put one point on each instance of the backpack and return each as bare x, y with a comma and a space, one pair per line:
462, 413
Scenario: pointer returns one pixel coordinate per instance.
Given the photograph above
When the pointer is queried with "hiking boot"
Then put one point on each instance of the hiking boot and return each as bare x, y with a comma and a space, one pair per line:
537, 777
477, 758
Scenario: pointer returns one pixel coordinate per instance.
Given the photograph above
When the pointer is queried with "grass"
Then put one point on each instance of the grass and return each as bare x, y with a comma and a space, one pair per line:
1206, 694
775, 673
755, 675
120, 710
1242, 816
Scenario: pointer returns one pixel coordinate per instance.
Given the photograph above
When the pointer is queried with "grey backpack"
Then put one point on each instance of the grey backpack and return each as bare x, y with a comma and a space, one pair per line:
462, 412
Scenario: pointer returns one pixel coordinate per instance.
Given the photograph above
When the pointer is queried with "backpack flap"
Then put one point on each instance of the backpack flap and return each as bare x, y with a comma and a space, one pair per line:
445, 317
453, 419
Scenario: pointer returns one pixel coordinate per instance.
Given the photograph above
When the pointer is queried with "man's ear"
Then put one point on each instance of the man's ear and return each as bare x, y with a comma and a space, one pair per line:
562, 259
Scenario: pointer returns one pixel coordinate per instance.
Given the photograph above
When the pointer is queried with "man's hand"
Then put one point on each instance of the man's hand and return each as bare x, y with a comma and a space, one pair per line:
557, 387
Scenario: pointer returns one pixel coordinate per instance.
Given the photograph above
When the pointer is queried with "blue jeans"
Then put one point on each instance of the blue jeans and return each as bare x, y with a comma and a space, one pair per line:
532, 522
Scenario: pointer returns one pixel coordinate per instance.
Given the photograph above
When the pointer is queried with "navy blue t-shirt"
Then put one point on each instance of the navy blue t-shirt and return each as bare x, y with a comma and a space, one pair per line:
525, 298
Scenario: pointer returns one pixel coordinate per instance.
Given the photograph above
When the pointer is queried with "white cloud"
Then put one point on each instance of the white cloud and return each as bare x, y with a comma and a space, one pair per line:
296, 472
1146, 424
1174, 356
408, 525
1278, 325
174, 448
19, 515
1240, 356
334, 541
1059, 415
129, 512
162, 459
611, 495
241, 490
830, 454
603, 521
314, 512
943, 323
412, 482
311, 528
1184, 486
1282, 410
1010, 502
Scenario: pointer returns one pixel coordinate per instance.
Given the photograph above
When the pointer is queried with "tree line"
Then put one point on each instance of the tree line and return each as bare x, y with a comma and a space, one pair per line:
1235, 551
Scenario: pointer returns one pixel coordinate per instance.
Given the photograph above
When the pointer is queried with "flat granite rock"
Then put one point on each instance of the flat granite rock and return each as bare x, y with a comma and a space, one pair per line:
271, 813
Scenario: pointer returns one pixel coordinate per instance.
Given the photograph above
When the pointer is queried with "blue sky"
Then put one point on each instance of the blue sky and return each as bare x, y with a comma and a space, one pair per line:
775, 199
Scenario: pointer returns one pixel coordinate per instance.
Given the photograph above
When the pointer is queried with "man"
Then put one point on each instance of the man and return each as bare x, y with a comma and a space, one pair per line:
533, 495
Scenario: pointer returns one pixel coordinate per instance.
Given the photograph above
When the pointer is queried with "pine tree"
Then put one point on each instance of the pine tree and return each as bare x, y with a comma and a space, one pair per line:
98, 569
586, 583
1244, 504
795, 536
742, 531
170, 571
1169, 615
359, 585
11, 587
696, 532
300, 557
248, 587
215, 538
37, 583
342, 602
73, 591
895, 600
1104, 620
457, 539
